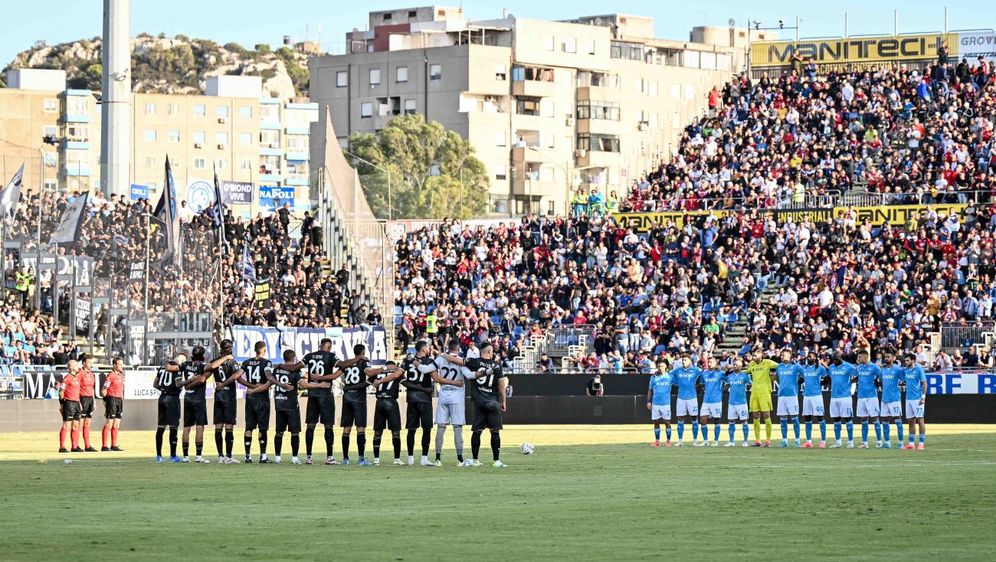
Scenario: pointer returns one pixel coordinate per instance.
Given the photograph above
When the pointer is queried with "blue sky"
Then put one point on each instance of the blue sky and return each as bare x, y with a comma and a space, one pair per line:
264, 21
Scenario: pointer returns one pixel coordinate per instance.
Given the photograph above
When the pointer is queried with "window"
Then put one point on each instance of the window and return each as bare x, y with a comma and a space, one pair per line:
150, 162
605, 110
52, 130
221, 163
74, 132
200, 110
246, 111
341, 79
245, 138
172, 109
435, 72
591, 47
500, 172
199, 163
374, 76
570, 45
149, 135
550, 42
409, 107
197, 137
401, 74
173, 135
501, 139
547, 107
150, 109
366, 109
412, 14
387, 17
548, 140
653, 88
500, 72
297, 142
221, 137
269, 138
221, 111
598, 143
78, 105
245, 164
51, 104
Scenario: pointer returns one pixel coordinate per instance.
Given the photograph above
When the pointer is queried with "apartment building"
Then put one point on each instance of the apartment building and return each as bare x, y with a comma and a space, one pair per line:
549, 106
250, 140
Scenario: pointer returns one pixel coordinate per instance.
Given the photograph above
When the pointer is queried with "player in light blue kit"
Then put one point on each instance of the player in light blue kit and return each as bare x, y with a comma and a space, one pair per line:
687, 377
841, 374
712, 401
892, 408
869, 374
813, 373
736, 407
916, 400
788, 374
659, 403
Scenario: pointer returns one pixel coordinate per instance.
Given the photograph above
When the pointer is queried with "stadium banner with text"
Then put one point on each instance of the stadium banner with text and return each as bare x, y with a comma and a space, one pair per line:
975, 44
895, 215
42, 383
306, 340
852, 50
237, 192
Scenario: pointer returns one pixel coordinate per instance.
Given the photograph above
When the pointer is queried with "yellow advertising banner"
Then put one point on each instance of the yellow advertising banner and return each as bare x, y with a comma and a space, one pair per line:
855, 50
896, 215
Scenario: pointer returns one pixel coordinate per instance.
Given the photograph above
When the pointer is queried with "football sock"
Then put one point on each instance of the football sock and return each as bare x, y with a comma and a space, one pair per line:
785, 427
440, 433
114, 437
75, 438
345, 445
361, 443
823, 430
899, 431
396, 443
878, 430
809, 431
657, 434
912, 437
278, 443
717, 431
746, 431
864, 432
172, 441
199, 445
295, 443
681, 430
733, 431
836, 430
475, 444
695, 431
86, 435
426, 438
850, 431
229, 442
262, 442
496, 445
458, 441
329, 440
105, 437
923, 438
159, 441
410, 441
667, 433
767, 429
757, 429
186, 448
248, 443
376, 446
795, 427
887, 430
309, 440
62, 438
219, 441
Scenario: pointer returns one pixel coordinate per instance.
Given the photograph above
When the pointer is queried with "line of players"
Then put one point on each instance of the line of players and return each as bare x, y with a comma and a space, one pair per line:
811, 375
418, 373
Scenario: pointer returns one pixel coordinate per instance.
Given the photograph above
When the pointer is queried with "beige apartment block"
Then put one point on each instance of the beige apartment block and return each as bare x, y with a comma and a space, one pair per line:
550, 106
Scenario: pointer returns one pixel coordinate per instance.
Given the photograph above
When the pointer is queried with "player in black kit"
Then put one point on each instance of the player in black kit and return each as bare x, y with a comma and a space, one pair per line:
321, 367
194, 374
488, 395
418, 380
286, 380
169, 408
257, 379
386, 412
224, 404
354, 403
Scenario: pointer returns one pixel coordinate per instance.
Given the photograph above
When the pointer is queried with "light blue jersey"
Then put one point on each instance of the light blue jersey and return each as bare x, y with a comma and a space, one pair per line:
891, 377
738, 387
914, 378
788, 379
868, 374
661, 387
713, 381
840, 380
686, 377
812, 380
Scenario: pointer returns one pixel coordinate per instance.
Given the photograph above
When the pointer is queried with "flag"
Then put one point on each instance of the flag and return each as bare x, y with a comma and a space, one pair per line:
166, 212
246, 266
68, 230
219, 206
11, 194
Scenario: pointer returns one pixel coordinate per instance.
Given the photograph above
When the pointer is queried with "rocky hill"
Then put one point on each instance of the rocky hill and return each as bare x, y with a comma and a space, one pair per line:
177, 65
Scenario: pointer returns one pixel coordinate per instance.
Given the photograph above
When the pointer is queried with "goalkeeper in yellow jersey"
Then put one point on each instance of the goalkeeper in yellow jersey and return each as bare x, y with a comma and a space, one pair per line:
759, 370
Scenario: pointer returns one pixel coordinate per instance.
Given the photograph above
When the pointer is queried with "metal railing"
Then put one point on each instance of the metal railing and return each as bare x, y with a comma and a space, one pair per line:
958, 336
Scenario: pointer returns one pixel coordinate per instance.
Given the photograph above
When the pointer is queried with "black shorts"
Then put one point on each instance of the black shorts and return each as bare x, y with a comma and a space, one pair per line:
354, 412
289, 420
321, 409
70, 410
169, 410
113, 407
487, 415
387, 413
257, 414
224, 412
86, 407
419, 415
194, 413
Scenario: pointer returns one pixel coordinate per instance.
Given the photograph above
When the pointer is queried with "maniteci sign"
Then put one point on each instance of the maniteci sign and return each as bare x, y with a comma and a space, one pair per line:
852, 50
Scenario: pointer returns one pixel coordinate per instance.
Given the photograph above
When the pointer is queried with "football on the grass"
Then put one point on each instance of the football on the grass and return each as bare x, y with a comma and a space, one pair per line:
527, 448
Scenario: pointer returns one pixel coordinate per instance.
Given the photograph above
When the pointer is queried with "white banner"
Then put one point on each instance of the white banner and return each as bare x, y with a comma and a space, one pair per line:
306, 340
973, 44
69, 224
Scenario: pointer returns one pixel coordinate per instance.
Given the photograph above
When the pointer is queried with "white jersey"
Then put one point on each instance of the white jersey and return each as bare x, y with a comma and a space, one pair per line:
449, 394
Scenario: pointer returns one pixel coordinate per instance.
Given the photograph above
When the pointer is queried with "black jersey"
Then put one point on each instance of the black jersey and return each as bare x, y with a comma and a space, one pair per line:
285, 399
319, 364
167, 382
486, 387
189, 370
419, 384
255, 370
354, 381
386, 390
221, 374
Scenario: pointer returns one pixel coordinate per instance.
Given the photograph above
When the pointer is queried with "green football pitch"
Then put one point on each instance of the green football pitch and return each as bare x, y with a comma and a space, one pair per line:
588, 493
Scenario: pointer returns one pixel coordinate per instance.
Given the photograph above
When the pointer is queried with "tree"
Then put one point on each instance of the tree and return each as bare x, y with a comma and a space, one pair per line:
433, 171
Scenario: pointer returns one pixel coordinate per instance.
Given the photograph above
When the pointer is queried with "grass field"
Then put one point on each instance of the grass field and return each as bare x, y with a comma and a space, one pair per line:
588, 493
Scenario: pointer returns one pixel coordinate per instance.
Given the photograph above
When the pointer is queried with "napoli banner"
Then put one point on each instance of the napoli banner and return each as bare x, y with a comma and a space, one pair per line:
306, 340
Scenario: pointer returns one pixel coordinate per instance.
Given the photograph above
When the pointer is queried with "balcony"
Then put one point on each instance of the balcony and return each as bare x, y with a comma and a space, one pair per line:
77, 170
597, 93
598, 159
270, 176
298, 156
534, 88
598, 126
271, 150
536, 188
526, 154
297, 131
76, 144
297, 181
79, 118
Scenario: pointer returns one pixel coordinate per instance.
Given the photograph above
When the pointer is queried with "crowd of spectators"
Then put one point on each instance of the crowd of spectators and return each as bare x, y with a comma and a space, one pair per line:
916, 137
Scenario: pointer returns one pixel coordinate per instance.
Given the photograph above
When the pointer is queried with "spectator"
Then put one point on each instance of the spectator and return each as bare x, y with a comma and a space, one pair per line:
595, 387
